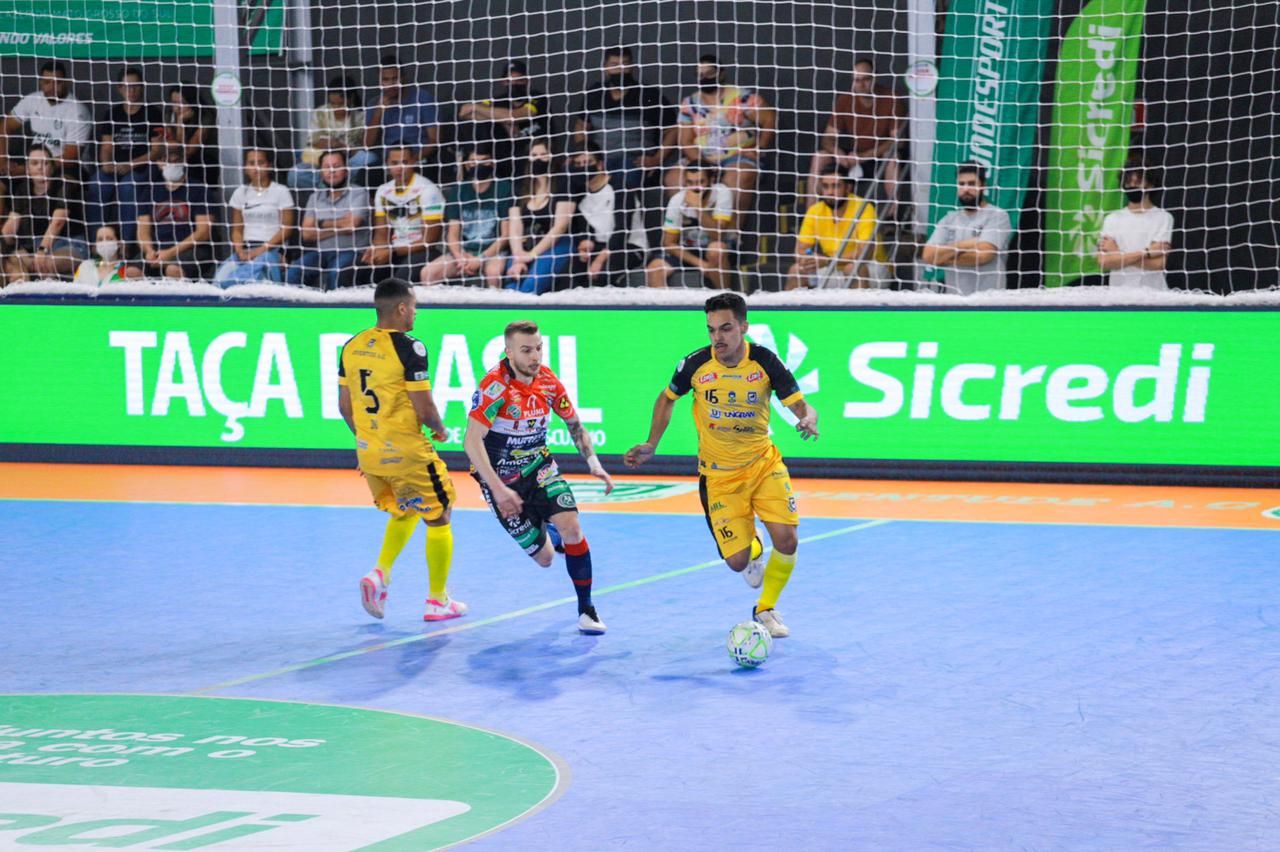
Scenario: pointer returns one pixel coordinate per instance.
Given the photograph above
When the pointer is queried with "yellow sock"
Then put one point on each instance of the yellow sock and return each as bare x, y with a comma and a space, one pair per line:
439, 558
399, 531
757, 547
776, 574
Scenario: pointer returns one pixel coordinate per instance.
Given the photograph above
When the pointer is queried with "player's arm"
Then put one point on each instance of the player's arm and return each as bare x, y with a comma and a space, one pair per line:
582, 440
783, 383
807, 422
507, 501
641, 453
428, 415
344, 407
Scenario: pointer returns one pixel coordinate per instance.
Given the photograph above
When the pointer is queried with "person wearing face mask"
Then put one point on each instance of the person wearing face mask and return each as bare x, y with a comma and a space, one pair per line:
1136, 239
697, 232
729, 127
191, 123
476, 233
175, 227
839, 225
969, 242
599, 233
634, 126
107, 263
538, 228
513, 115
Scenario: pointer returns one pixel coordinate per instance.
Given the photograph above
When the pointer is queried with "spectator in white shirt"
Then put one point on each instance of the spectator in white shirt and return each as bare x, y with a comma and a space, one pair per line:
262, 217
51, 117
697, 230
408, 217
1137, 239
338, 125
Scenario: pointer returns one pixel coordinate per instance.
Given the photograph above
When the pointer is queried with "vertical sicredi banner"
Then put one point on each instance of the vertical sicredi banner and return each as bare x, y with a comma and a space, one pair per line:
1092, 114
988, 97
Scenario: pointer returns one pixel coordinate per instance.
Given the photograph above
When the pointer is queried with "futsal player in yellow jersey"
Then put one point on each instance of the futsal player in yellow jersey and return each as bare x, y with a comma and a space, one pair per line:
741, 473
384, 395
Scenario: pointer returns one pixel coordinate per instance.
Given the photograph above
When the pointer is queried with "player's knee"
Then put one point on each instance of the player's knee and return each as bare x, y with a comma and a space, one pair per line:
738, 561
570, 529
785, 540
544, 555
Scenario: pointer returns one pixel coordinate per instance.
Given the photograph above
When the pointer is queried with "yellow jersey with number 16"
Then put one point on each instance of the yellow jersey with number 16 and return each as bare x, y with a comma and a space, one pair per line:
731, 405
379, 367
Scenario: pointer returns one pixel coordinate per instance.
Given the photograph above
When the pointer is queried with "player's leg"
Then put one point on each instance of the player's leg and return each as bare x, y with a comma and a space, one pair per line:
431, 483
400, 527
728, 512
554, 501
775, 503
524, 528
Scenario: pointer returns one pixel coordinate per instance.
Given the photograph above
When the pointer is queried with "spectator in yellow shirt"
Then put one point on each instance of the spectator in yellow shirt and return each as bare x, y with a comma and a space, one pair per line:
829, 230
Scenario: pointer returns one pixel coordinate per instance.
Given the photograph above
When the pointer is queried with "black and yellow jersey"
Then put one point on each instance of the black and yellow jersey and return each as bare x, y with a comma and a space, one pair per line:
379, 367
731, 405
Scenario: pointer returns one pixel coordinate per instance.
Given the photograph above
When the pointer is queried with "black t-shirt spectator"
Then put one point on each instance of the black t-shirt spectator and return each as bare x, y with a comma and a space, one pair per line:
173, 213
131, 135
538, 222
632, 125
536, 126
37, 210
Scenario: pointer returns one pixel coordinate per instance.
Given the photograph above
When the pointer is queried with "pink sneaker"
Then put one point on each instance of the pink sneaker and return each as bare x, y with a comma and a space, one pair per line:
373, 593
442, 610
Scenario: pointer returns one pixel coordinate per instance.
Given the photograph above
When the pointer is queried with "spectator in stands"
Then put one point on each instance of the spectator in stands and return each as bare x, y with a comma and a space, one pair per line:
969, 242
633, 125
52, 117
192, 123
125, 134
39, 235
1136, 239
262, 217
599, 234
861, 133
726, 126
538, 227
338, 125
697, 232
477, 222
836, 244
333, 228
402, 115
407, 212
511, 117
175, 226
107, 263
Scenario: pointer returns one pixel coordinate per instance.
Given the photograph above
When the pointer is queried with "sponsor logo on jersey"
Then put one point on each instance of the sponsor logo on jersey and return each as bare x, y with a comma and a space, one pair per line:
565, 500
420, 376
733, 396
563, 404
738, 415
495, 390
755, 377
715, 414
513, 411
707, 377
419, 348
373, 341
752, 397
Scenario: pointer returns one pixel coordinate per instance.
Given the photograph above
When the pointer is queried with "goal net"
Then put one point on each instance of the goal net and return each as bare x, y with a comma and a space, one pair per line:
984, 143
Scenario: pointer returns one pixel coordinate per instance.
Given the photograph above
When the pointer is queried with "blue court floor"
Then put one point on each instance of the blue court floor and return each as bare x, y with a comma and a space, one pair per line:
947, 685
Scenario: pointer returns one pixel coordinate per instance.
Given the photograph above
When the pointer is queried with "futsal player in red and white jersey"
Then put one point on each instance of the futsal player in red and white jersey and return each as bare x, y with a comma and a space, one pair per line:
506, 442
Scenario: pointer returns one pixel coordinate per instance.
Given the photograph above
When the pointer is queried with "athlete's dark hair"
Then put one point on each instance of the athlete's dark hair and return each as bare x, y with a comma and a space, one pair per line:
728, 302
389, 293
520, 327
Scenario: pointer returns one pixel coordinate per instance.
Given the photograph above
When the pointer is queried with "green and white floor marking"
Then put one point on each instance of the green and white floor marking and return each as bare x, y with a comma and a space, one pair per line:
180, 772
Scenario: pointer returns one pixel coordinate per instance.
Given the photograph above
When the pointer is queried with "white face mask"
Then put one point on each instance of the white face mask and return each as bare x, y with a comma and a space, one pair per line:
107, 249
173, 172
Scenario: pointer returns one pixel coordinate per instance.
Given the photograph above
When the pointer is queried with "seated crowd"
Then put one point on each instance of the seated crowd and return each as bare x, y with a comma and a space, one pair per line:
629, 189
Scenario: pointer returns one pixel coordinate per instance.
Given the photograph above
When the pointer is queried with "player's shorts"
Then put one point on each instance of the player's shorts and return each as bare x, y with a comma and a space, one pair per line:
416, 488
545, 493
732, 503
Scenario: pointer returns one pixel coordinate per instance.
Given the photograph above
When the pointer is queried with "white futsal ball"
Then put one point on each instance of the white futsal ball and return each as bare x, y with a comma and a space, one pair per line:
749, 644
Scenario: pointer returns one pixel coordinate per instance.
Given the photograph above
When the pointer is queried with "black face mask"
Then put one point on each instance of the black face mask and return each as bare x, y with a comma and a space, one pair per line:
1134, 194
579, 180
708, 84
539, 168
969, 201
484, 171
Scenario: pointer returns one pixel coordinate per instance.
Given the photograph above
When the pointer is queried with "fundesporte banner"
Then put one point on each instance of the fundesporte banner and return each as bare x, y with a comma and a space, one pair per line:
1167, 387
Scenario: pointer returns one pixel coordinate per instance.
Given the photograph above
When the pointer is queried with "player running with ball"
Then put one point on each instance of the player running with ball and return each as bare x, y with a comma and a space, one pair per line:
741, 472
506, 441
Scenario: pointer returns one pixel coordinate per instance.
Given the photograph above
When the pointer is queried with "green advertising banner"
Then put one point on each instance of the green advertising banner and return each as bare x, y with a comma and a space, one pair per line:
1092, 114
988, 98
100, 29
1122, 387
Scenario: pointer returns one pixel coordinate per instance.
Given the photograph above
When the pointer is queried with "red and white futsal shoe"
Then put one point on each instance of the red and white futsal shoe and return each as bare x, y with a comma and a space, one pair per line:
445, 609
373, 593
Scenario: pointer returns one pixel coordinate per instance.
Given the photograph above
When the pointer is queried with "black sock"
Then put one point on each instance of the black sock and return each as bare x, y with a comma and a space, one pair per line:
577, 559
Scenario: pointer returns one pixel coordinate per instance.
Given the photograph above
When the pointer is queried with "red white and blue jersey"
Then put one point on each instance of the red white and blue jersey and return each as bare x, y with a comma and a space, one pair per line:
518, 415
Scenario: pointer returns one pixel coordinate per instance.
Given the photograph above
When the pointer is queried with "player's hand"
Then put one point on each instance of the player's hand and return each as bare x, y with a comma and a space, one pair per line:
638, 455
598, 471
440, 436
509, 502
807, 426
